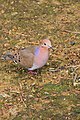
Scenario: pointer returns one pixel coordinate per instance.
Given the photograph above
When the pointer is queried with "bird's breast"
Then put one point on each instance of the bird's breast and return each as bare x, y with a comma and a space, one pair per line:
41, 57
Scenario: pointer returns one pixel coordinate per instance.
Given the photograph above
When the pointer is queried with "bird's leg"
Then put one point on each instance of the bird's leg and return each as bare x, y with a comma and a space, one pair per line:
32, 72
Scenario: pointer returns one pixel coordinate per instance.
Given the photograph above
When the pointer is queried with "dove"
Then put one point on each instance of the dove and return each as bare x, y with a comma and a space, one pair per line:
31, 57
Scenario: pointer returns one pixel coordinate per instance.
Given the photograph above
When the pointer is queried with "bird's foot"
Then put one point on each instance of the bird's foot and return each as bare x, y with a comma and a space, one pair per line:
32, 72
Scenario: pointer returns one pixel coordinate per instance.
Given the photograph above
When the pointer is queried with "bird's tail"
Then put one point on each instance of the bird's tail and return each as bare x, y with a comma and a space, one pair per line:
8, 56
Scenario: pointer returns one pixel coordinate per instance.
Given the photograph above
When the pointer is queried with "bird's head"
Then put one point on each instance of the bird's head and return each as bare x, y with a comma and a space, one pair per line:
46, 43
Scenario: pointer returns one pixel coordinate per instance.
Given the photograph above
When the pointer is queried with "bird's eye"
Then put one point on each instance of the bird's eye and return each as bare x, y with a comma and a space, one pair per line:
44, 43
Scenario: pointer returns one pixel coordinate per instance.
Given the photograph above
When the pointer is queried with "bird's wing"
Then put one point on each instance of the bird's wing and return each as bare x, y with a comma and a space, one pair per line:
25, 56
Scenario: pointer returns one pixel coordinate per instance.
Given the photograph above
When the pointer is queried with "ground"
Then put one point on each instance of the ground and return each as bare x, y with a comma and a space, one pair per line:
54, 93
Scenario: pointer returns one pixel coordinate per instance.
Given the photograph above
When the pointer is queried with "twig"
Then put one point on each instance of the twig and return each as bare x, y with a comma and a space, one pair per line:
22, 34
73, 66
54, 70
21, 95
75, 76
75, 32
74, 80
63, 67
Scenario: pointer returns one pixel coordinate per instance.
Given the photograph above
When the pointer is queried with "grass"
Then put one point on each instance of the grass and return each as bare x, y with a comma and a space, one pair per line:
48, 95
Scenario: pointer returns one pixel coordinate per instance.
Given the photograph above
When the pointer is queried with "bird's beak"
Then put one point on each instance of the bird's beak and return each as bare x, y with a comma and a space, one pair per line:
51, 47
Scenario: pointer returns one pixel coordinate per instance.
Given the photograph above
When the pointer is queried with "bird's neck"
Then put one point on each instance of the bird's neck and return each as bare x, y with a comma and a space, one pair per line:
43, 48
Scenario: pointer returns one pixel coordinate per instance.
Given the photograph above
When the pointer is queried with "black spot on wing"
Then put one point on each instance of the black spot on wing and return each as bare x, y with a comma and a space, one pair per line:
19, 60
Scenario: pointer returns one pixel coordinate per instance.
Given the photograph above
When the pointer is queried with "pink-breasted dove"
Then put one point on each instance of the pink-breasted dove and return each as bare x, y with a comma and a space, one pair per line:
32, 57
